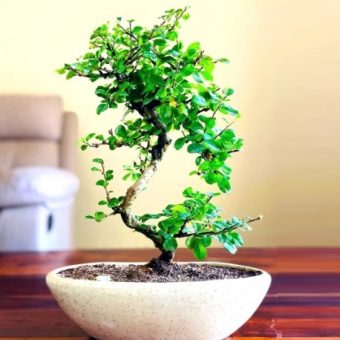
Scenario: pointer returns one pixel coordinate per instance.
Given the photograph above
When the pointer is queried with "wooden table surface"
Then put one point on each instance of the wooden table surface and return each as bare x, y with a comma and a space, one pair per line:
303, 301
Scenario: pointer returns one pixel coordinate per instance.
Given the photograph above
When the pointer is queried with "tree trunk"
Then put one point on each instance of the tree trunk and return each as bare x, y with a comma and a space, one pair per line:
166, 256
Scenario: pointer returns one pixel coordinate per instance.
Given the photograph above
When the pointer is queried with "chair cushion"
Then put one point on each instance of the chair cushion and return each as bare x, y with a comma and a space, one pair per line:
33, 185
24, 116
25, 152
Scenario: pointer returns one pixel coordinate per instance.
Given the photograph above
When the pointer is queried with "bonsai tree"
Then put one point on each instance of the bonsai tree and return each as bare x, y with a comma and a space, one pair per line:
164, 86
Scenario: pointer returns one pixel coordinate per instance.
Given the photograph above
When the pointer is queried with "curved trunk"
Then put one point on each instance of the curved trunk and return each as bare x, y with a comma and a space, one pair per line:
157, 152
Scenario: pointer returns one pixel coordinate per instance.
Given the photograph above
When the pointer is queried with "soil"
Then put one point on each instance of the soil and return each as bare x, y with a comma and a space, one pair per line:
157, 271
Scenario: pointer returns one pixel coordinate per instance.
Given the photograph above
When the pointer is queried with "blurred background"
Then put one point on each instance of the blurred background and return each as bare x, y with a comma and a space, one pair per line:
285, 69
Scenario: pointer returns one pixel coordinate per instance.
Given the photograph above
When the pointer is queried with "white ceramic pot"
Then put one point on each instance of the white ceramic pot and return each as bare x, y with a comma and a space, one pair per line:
204, 310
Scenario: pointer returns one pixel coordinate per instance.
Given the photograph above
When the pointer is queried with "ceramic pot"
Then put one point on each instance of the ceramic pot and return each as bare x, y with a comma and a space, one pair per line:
204, 310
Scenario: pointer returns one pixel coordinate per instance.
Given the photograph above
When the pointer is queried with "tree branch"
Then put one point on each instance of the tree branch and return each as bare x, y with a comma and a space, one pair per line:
108, 197
132, 222
221, 231
129, 33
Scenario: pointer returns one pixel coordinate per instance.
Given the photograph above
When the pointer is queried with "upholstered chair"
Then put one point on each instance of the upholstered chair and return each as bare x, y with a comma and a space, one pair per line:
37, 173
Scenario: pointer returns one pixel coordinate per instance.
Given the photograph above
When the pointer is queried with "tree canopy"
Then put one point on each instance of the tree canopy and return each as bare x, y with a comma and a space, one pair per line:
164, 86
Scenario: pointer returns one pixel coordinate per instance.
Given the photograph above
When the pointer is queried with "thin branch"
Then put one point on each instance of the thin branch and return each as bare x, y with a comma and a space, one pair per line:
221, 231
130, 34
99, 144
225, 128
218, 106
102, 73
177, 18
199, 57
95, 145
103, 172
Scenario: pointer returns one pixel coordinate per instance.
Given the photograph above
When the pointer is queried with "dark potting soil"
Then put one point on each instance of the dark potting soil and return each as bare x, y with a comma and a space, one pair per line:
157, 271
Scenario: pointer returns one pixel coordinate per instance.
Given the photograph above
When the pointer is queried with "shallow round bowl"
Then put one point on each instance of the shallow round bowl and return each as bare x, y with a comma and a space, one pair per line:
203, 310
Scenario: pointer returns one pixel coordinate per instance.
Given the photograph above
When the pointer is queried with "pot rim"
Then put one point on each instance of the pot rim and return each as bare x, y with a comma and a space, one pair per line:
53, 274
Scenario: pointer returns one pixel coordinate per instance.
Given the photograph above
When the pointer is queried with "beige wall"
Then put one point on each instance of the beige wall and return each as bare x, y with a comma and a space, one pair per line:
286, 69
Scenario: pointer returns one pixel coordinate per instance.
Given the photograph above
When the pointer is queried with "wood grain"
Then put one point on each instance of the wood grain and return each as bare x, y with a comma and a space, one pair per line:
303, 301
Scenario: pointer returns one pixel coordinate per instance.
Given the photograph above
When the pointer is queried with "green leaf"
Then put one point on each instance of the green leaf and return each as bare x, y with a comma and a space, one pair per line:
200, 251
187, 70
207, 64
165, 113
210, 177
102, 107
97, 160
188, 192
239, 143
207, 75
137, 29
229, 92
197, 77
199, 100
90, 136
186, 16
230, 247
135, 176
114, 202
125, 177
228, 135
226, 109
99, 216
195, 148
70, 74
179, 210
237, 238
205, 166
172, 35
88, 55
224, 184
61, 70
206, 241
212, 146
159, 42
196, 126
170, 244
223, 60
101, 91
100, 138
121, 131
95, 169
198, 160
102, 202
198, 245
179, 143
210, 123
193, 48
109, 175
102, 183
171, 225
147, 217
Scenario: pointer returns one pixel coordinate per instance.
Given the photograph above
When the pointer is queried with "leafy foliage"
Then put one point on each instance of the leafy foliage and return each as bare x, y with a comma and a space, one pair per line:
164, 86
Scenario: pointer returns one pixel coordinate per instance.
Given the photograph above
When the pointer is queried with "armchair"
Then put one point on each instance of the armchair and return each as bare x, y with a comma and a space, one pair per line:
37, 165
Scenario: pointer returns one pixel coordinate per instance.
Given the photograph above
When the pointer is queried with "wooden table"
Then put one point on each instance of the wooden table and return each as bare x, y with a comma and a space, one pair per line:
303, 301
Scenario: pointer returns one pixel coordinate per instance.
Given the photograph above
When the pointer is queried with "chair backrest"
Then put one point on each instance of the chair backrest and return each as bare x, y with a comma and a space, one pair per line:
34, 131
